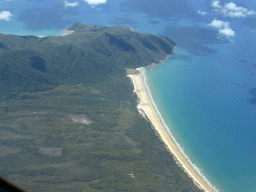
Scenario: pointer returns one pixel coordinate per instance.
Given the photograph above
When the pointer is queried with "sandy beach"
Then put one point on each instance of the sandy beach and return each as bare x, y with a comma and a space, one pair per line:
149, 111
67, 32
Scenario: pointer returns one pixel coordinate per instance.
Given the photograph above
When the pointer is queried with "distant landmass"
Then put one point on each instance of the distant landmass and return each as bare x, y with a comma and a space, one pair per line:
68, 116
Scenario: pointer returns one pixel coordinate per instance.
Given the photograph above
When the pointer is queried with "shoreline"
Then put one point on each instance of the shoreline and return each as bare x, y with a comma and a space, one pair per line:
67, 32
149, 111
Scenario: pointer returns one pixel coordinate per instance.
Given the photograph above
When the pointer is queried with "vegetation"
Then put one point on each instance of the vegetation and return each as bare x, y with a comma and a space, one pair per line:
68, 116
88, 56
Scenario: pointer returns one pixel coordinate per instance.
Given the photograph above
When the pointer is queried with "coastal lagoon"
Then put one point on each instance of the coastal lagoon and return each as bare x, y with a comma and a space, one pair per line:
209, 108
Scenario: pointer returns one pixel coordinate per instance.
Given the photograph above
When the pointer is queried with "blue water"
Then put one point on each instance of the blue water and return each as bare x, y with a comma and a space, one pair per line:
206, 92
206, 104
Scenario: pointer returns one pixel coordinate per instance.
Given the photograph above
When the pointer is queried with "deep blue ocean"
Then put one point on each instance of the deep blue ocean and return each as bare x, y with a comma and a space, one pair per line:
206, 91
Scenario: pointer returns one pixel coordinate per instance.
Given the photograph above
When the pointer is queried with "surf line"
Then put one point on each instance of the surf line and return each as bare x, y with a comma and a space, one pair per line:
148, 109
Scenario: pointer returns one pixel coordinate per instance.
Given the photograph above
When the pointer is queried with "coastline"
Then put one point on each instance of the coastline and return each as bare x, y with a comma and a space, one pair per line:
66, 32
149, 111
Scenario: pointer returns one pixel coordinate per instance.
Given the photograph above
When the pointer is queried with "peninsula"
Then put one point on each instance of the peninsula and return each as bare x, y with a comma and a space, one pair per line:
69, 118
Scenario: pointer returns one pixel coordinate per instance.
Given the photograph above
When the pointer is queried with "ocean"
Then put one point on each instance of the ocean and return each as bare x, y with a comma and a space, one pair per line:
206, 92
208, 107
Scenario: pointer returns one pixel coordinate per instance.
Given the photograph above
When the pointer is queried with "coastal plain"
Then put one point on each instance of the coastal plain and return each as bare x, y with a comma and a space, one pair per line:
68, 116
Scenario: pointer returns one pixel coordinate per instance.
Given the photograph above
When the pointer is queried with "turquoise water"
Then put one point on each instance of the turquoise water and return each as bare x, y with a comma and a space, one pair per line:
206, 93
205, 103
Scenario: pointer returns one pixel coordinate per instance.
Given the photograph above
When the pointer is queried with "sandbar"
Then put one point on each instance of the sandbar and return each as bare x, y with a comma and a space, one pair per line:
149, 111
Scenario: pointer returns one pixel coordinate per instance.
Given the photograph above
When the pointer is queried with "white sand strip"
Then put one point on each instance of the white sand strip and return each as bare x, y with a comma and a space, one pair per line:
149, 111
67, 32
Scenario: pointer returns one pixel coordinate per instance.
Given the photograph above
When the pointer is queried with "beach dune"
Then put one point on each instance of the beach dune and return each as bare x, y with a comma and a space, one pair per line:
148, 110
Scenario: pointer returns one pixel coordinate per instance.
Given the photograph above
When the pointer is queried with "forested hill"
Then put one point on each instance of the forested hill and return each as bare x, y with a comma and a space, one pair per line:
68, 116
88, 56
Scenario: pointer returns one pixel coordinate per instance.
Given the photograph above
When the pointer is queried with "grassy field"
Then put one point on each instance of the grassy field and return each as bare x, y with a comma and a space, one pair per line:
80, 138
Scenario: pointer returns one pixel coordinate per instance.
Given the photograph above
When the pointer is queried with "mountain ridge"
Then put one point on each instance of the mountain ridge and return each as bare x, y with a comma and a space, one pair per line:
87, 55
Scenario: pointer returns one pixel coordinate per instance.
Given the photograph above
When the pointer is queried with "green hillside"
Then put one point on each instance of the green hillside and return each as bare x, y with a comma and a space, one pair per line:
68, 116
90, 55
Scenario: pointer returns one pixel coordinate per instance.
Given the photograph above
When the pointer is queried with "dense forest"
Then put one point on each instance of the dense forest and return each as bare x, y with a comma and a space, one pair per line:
68, 116
89, 56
